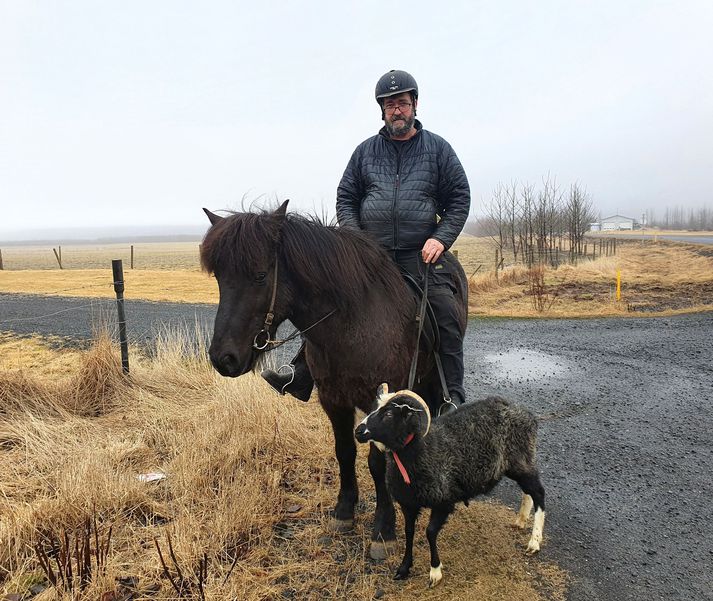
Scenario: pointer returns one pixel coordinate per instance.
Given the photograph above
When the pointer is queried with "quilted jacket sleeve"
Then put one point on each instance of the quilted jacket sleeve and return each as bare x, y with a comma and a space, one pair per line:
350, 193
453, 198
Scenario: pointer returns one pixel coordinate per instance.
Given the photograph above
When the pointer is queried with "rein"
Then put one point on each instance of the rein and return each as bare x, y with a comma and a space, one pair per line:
414, 362
270, 316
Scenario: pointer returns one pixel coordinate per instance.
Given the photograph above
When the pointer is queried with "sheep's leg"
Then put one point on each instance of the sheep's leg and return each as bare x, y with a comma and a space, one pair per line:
532, 487
524, 513
383, 535
410, 516
439, 516
343, 427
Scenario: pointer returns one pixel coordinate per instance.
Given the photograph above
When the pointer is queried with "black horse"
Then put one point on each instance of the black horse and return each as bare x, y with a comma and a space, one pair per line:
357, 315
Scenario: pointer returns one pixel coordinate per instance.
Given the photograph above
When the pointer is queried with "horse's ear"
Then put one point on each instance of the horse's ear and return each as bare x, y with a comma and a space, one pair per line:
212, 216
282, 209
382, 390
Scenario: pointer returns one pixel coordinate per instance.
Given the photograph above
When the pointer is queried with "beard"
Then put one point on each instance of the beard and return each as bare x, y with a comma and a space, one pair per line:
400, 126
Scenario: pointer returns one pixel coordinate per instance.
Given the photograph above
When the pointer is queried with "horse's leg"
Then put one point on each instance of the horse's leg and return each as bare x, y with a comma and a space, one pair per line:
383, 535
343, 427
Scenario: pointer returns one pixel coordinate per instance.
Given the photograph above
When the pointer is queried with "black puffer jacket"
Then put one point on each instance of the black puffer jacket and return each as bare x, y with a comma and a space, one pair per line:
394, 190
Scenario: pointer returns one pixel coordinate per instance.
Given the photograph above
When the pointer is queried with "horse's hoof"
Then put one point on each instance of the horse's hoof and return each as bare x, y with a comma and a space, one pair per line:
337, 525
380, 549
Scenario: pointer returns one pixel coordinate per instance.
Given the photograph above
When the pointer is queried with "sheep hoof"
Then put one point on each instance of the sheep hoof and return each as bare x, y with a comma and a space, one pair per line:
337, 525
401, 574
435, 576
380, 549
532, 547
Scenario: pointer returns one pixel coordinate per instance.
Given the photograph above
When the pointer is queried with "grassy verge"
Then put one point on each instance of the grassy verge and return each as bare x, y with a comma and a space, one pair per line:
656, 278
249, 476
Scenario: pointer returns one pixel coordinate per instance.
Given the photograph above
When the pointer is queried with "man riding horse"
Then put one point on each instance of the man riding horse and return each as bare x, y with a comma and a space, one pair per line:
406, 187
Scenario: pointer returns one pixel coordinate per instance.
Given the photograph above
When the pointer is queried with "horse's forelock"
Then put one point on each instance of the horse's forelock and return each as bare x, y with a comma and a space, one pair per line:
241, 242
339, 264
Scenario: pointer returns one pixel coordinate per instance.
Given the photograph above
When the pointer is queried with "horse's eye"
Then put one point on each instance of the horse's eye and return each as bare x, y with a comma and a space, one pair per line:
260, 278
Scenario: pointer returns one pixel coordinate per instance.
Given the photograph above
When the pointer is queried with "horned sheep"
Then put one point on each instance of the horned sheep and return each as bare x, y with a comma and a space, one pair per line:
453, 458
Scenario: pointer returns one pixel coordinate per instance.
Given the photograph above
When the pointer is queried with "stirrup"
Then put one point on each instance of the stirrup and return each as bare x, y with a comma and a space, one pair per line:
446, 401
292, 375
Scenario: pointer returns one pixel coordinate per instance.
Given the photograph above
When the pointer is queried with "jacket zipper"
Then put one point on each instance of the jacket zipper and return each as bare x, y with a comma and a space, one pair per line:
394, 212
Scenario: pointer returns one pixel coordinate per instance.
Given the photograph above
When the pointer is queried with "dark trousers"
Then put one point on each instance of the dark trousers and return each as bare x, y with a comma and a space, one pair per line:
441, 296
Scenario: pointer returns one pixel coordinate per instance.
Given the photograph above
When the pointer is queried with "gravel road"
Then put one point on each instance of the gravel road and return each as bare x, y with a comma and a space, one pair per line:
626, 439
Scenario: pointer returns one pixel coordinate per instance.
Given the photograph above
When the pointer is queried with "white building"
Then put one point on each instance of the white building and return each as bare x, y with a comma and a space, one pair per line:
619, 222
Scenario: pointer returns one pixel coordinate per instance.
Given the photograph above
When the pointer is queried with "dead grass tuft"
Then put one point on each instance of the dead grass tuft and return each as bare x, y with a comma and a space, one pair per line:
249, 476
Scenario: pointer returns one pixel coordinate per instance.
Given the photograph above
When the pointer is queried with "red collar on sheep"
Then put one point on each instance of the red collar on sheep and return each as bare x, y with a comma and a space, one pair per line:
402, 469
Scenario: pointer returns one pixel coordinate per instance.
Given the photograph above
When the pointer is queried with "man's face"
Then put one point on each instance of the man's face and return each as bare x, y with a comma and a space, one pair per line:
399, 114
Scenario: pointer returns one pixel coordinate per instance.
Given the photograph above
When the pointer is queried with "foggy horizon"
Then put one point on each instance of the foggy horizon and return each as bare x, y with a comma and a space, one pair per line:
141, 114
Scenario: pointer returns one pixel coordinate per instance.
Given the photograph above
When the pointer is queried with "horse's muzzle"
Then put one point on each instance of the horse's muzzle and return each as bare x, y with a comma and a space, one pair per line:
228, 365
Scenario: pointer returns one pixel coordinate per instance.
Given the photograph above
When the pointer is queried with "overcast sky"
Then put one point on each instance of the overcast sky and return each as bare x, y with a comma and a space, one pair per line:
140, 113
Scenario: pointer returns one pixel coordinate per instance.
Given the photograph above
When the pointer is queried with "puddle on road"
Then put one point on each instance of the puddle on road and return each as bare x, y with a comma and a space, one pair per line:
521, 363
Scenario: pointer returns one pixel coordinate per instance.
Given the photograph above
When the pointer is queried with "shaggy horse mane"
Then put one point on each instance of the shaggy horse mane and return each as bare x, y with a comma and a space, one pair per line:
341, 264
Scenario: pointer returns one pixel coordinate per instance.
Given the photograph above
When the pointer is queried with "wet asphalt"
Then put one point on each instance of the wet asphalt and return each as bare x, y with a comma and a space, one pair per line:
625, 439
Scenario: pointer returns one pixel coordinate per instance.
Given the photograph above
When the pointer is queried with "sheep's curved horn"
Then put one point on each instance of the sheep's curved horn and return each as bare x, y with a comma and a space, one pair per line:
423, 404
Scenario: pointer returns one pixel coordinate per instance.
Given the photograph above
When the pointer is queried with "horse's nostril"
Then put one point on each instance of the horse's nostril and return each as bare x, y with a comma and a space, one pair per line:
228, 360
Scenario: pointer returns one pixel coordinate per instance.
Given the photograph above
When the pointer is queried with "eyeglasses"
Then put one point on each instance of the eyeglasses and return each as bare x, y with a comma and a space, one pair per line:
390, 107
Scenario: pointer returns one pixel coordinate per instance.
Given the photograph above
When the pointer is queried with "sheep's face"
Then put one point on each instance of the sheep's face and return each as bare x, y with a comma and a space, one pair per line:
397, 416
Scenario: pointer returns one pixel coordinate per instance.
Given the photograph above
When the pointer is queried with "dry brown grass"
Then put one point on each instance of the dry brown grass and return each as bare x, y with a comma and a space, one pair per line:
659, 278
148, 255
155, 285
249, 476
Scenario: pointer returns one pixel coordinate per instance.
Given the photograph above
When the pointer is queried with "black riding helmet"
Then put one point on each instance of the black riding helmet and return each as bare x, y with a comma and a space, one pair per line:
392, 83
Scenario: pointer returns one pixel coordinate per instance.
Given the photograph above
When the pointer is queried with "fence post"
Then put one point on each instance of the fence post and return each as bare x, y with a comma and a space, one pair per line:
132, 256
118, 273
496, 264
1, 267
58, 257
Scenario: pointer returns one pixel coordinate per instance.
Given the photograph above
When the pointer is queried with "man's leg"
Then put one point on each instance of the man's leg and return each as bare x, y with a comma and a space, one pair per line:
451, 350
441, 295
293, 379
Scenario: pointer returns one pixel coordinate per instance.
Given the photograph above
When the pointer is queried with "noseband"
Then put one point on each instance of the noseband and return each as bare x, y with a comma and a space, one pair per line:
262, 340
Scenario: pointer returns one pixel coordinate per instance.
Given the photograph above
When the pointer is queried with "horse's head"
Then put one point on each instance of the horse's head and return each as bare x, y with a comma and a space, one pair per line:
241, 251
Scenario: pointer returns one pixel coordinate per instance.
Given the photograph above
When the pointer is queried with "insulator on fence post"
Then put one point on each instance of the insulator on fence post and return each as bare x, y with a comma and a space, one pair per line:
118, 273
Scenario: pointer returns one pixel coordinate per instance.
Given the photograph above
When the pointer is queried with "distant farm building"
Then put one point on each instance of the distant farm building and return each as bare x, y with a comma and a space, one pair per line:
615, 222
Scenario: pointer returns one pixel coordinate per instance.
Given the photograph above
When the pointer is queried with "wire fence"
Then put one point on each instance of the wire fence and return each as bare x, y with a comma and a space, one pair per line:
148, 255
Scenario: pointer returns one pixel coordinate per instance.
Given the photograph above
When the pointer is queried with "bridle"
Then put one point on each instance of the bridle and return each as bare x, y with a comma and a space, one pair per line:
262, 341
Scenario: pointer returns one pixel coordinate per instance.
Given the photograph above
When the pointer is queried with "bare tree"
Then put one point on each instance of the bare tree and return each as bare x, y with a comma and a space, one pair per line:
580, 213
